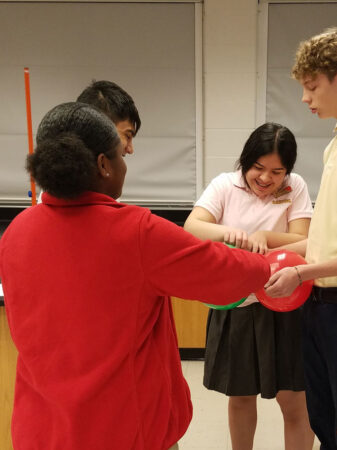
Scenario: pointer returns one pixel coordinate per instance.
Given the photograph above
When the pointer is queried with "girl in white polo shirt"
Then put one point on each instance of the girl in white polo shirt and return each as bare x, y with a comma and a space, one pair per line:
252, 350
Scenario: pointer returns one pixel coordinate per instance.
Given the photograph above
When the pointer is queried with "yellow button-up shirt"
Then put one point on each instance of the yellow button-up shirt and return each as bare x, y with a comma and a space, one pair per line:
322, 239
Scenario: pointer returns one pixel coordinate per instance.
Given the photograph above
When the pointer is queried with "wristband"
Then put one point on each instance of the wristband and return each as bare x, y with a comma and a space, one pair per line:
298, 274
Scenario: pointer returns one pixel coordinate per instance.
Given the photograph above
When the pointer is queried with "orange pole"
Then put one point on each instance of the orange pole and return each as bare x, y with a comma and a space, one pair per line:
30, 129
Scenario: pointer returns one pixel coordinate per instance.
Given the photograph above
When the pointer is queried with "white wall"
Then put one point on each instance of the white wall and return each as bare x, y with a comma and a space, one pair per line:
230, 37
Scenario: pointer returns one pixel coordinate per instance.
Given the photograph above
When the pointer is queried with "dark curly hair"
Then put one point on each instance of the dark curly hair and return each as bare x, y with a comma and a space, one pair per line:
269, 138
317, 55
69, 139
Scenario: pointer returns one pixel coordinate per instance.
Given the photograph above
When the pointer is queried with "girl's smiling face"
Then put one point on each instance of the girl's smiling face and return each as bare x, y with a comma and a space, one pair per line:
266, 175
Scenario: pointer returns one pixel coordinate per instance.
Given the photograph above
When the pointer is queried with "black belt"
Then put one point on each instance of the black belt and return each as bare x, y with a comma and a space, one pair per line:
324, 295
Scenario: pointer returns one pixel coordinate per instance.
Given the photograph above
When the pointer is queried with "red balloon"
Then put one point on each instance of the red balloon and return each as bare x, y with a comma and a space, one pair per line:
277, 260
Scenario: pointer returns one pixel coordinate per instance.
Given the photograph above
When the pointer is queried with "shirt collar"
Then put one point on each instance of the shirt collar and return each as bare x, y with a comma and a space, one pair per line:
239, 181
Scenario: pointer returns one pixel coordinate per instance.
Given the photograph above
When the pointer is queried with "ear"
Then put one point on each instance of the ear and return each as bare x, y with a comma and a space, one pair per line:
103, 165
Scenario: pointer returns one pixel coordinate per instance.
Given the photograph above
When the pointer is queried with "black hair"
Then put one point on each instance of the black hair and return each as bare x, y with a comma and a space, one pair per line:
110, 98
69, 139
269, 138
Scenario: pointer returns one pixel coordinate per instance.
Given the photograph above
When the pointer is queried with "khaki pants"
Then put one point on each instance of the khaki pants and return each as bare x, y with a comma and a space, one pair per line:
174, 447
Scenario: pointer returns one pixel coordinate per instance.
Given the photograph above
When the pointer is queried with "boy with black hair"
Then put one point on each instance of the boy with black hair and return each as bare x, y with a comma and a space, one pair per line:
118, 105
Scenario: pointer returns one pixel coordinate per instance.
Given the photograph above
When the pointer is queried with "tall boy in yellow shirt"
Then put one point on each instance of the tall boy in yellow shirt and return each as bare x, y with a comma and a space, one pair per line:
316, 69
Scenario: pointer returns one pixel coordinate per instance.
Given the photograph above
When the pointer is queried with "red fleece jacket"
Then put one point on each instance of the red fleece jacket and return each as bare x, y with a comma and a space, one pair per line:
86, 287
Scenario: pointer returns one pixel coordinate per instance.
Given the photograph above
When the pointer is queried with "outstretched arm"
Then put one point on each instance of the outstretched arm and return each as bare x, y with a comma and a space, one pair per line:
176, 263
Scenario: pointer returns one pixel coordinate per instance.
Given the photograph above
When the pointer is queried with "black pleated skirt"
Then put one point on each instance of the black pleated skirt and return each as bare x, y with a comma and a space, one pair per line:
253, 350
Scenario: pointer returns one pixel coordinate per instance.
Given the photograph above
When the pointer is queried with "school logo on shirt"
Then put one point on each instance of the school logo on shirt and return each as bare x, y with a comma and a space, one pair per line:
277, 202
279, 193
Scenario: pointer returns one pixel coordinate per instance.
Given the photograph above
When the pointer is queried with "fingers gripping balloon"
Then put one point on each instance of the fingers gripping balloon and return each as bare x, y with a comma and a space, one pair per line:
278, 260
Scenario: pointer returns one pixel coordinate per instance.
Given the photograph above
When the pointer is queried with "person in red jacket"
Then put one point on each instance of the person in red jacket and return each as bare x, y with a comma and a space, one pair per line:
86, 283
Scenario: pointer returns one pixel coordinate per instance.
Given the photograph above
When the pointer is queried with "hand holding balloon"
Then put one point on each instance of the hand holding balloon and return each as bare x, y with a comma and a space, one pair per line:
257, 242
234, 237
282, 283
284, 291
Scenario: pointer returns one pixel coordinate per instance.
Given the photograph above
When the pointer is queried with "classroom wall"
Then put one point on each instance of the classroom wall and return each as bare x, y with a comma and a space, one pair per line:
230, 39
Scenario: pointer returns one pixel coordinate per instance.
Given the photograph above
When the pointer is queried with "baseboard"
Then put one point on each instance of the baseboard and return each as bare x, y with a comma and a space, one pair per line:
190, 354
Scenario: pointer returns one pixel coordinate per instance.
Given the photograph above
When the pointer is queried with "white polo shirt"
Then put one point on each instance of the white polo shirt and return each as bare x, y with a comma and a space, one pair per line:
322, 239
233, 204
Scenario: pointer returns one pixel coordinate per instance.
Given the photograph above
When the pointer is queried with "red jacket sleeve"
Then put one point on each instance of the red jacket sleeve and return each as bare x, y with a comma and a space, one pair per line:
179, 264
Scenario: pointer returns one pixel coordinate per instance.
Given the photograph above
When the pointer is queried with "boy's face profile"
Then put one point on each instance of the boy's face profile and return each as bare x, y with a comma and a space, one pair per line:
126, 131
321, 95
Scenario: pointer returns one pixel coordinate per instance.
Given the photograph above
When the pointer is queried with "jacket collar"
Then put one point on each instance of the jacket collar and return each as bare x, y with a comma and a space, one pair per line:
87, 198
